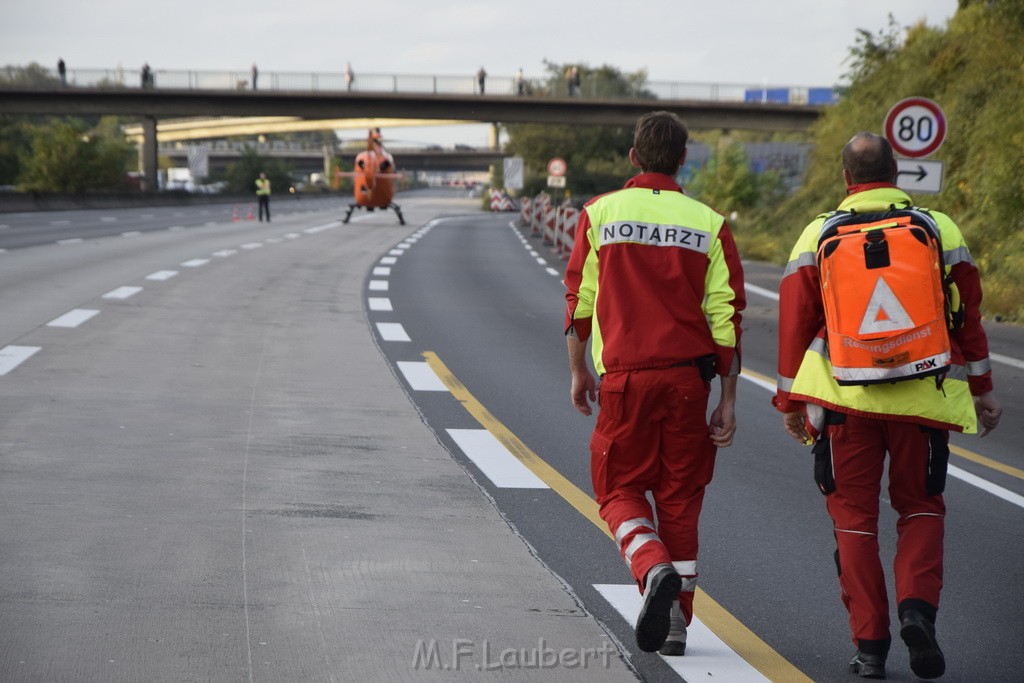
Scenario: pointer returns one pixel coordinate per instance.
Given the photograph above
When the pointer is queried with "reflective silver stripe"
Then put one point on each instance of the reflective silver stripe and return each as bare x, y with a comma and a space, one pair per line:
634, 545
979, 367
818, 346
957, 372
655, 235
874, 374
785, 383
804, 259
851, 531
686, 567
958, 255
816, 416
924, 514
689, 585
631, 525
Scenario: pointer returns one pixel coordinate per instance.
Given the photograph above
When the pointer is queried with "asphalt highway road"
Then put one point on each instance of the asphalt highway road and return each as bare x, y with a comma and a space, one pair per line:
486, 298
466, 309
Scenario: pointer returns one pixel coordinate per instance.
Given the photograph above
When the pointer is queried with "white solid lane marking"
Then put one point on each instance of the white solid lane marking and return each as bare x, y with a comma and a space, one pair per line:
706, 654
13, 356
960, 474
986, 485
321, 228
131, 233
162, 275
196, 262
108, 219
378, 303
494, 460
762, 291
393, 332
378, 285
147, 216
73, 318
421, 377
382, 270
998, 357
388, 260
122, 292
60, 222
73, 240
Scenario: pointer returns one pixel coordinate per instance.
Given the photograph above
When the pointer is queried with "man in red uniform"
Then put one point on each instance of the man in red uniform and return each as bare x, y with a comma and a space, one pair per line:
858, 424
655, 281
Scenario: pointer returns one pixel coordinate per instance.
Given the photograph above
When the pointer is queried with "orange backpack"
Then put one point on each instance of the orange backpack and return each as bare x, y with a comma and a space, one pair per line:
886, 296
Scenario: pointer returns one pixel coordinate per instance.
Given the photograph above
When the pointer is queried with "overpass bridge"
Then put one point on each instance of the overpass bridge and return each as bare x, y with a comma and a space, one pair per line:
325, 97
309, 158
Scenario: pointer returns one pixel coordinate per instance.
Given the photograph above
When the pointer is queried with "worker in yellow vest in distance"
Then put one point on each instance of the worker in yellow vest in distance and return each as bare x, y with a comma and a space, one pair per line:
263, 195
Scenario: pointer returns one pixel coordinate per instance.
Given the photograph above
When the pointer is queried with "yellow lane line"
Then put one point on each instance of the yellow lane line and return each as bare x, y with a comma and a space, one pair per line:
958, 450
741, 639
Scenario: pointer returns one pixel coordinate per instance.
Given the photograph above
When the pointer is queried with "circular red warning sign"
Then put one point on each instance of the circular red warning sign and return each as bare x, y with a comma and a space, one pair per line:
915, 127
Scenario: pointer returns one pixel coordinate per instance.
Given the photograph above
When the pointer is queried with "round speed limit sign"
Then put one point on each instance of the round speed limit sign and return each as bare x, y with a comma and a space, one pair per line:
915, 127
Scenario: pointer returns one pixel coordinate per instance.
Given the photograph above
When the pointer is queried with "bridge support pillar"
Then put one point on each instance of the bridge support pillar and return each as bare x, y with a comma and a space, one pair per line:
149, 153
495, 137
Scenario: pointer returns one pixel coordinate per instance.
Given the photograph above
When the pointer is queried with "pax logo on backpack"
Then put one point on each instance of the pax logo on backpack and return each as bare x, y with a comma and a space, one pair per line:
885, 295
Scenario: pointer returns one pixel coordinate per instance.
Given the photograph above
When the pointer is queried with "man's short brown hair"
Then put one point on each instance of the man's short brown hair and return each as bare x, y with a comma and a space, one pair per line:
660, 140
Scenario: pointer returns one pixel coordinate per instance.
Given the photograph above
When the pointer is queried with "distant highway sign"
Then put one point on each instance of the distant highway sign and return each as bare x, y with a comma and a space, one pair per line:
921, 176
557, 167
915, 127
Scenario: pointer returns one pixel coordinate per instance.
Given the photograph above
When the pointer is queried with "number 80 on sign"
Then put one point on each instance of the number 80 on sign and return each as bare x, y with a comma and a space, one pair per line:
915, 127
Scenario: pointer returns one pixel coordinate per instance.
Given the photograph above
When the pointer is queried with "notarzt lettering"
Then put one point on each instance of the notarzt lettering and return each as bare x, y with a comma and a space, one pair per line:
656, 235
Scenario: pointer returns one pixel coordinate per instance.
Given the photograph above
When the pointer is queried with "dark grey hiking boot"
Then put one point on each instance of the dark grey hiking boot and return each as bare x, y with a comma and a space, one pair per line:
663, 584
675, 643
918, 632
868, 666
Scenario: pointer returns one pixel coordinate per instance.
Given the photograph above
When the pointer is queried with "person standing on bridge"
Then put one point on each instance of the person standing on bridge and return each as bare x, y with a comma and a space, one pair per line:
255, 74
263, 195
350, 76
656, 277
62, 71
857, 424
481, 77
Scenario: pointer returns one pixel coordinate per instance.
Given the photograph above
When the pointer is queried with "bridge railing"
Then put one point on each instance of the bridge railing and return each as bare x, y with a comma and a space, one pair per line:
592, 86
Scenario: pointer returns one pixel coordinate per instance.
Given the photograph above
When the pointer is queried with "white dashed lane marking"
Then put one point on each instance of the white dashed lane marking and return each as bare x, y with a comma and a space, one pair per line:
378, 285
382, 271
196, 262
73, 318
393, 332
706, 654
13, 356
377, 303
122, 292
421, 377
161, 275
494, 460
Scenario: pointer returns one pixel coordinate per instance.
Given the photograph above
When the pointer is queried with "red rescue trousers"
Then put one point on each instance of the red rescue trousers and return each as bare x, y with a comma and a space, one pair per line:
858, 448
652, 435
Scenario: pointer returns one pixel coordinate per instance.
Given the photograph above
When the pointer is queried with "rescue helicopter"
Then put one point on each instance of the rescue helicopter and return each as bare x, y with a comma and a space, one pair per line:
373, 172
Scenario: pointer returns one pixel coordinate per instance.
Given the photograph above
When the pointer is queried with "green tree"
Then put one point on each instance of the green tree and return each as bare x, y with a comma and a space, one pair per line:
242, 174
974, 69
33, 75
66, 156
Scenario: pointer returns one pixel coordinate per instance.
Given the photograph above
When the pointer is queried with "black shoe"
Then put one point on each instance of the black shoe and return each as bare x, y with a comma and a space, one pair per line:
918, 632
663, 585
868, 666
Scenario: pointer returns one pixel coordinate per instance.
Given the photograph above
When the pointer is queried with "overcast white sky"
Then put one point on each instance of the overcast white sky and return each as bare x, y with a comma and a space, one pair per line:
778, 42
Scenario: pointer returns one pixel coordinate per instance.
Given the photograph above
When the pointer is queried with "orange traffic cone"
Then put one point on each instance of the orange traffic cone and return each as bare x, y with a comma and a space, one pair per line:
249, 216
234, 214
